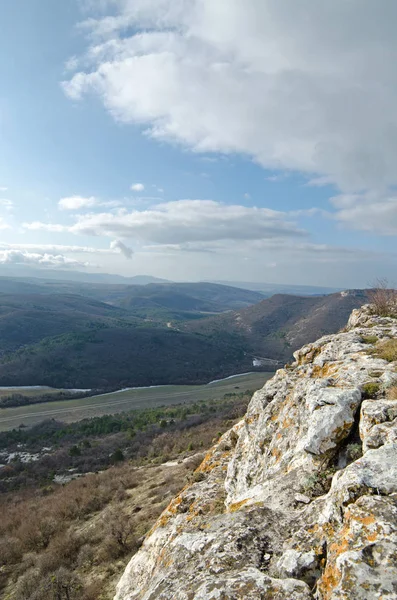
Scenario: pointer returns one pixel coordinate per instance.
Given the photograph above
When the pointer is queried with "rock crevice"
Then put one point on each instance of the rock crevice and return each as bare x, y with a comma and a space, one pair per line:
285, 506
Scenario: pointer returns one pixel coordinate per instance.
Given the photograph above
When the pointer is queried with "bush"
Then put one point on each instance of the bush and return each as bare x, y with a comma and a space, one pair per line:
120, 538
117, 456
383, 299
10, 551
370, 390
354, 451
369, 339
75, 451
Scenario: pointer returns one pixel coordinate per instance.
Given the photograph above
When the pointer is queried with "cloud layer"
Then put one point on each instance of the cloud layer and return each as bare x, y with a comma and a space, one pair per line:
183, 221
309, 86
23, 257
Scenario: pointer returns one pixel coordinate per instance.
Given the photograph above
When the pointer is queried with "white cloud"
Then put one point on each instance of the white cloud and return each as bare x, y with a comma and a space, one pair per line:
366, 212
247, 196
18, 257
55, 248
72, 63
298, 86
137, 187
3, 189
189, 220
39, 226
121, 248
183, 221
76, 202
8, 205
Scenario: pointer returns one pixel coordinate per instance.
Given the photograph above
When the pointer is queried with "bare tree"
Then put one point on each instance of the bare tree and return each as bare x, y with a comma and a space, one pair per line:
383, 298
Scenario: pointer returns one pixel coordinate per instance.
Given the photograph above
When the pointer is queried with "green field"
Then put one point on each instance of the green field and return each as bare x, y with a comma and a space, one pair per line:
32, 392
69, 411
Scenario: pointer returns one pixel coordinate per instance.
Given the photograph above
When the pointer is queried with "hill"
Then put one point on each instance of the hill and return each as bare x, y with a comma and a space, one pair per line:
121, 356
70, 341
29, 318
270, 289
277, 326
159, 301
188, 297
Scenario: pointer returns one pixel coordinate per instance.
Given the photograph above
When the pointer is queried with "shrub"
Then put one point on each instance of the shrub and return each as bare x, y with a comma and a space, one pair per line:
353, 452
117, 456
120, 533
318, 483
369, 390
196, 477
75, 451
10, 551
62, 585
369, 339
383, 299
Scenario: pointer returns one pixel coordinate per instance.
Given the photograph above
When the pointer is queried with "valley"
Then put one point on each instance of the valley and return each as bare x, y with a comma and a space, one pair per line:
109, 336
69, 411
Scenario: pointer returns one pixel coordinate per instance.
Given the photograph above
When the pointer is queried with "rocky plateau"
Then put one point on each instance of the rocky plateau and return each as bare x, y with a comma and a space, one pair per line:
298, 501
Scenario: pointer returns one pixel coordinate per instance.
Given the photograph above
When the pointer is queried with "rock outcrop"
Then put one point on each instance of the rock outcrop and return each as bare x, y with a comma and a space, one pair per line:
299, 499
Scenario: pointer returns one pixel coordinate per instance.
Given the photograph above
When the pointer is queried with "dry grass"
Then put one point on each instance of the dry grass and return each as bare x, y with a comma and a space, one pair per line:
392, 392
88, 528
80, 536
387, 350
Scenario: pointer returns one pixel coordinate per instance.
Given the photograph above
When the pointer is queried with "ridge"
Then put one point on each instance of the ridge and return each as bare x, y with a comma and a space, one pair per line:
299, 499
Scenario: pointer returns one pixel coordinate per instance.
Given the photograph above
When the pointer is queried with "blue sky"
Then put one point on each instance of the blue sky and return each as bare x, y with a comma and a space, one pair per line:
261, 142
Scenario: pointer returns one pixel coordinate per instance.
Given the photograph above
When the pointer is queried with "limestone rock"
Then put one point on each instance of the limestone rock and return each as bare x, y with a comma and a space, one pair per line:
378, 423
243, 530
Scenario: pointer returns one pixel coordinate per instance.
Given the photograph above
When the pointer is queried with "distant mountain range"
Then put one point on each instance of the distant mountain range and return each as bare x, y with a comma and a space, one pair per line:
24, 272
269, 289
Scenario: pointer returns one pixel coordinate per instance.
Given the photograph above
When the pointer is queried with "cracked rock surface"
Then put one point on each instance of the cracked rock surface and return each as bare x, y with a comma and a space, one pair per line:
299, 499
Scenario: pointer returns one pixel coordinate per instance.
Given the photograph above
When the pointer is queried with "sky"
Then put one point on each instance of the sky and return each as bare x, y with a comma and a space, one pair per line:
235, 140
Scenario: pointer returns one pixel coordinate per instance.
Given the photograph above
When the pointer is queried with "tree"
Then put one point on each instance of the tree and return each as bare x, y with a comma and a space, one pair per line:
118, 455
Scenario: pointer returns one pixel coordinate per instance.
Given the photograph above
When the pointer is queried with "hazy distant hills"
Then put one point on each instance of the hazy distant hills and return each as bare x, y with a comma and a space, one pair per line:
159, 301
193, 297
27, 272
270, 289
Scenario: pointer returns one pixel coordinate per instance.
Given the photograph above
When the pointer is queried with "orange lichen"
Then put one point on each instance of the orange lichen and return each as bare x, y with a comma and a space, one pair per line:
287, 423
170, 511
276, 453
212, 460
237, 505
326, 370
346, 540
251, 419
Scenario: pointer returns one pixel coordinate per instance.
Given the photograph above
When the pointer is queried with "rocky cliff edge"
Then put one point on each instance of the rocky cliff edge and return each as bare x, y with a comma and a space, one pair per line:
299, 499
